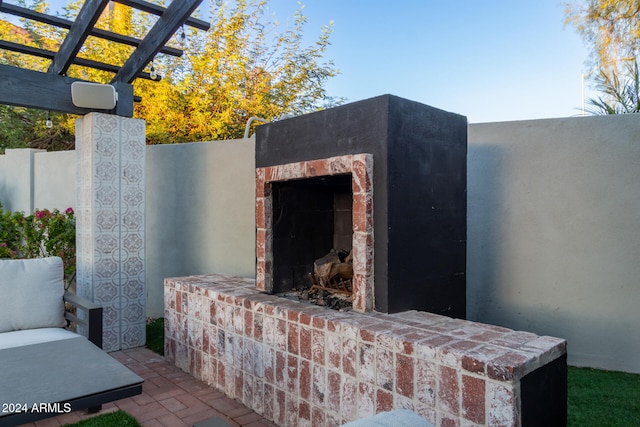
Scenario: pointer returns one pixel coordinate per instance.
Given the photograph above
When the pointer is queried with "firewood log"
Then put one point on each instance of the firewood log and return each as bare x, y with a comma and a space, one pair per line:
330, 266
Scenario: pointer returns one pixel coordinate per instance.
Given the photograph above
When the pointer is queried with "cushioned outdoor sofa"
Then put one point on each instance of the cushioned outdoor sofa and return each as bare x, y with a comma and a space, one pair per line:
45, 368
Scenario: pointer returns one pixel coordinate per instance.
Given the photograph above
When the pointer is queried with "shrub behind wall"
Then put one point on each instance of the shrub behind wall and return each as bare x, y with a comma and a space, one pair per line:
45, 233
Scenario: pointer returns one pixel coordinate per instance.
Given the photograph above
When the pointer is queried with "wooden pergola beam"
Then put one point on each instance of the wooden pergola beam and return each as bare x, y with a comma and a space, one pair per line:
52, 90
47, 54
78, 33
64, 23
172, 18
154, 9
48, 91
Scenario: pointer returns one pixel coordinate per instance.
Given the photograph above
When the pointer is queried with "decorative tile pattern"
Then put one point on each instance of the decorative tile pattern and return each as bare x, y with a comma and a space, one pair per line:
297, 364
110, 227
360, 167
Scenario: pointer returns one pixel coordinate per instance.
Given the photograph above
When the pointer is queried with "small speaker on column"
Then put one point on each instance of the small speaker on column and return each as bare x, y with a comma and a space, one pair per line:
93, 95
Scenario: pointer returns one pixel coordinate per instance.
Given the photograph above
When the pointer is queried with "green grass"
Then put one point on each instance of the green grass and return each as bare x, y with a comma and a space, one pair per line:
155, 335
596, 398
118, 418
603, 398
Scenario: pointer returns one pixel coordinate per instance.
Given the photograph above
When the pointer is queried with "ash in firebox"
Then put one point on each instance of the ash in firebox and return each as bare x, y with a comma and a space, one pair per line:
323, 298
330, 284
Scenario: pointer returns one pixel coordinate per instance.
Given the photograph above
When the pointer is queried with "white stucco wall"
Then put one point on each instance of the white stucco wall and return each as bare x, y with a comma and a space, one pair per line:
18, 170
37, 179
54, 180
200, 212
554, 233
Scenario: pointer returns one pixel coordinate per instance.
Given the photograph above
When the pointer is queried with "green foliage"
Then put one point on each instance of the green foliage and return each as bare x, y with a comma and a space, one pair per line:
25, 128
45, 233
53, 233
621, 93
11, 233
603, 398
155, 335
21, 127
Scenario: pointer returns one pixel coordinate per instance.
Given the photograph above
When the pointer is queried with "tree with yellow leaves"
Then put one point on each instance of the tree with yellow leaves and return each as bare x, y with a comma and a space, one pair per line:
611, 29
246, 65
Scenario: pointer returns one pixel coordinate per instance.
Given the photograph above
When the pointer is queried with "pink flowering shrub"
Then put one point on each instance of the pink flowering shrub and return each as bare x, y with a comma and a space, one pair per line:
45, 233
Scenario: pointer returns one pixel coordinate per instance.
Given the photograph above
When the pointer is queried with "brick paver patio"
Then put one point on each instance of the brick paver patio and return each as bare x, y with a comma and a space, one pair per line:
170, 398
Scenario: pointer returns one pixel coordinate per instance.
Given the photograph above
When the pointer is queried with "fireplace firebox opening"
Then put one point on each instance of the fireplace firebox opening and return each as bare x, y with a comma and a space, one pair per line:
311, 217
307, 209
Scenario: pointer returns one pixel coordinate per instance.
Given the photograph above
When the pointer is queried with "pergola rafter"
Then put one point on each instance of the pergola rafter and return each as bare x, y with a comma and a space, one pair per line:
23, 87
64, 23
48, 54
171, 19
87, 17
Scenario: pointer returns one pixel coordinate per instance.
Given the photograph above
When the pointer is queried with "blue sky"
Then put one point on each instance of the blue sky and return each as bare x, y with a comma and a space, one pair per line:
490, 60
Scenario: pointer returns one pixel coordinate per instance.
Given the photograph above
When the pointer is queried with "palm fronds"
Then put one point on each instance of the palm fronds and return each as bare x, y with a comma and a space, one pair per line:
621, 93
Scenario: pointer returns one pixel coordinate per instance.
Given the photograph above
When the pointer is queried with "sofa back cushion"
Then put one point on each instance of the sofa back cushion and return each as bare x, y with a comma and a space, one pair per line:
31, 292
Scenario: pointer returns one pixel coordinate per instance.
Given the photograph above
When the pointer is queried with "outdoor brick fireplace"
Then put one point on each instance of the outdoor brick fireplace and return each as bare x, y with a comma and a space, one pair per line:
383, 179
400, 166
358, 171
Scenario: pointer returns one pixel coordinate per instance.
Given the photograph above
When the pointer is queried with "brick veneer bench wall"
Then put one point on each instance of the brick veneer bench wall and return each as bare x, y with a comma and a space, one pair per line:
298, 364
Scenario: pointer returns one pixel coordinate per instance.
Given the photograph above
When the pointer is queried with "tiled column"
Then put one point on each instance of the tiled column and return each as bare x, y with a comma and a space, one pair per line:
110, 238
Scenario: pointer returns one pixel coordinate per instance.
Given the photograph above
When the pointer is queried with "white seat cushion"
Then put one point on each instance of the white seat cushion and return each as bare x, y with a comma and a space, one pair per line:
34, 336
31, 292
